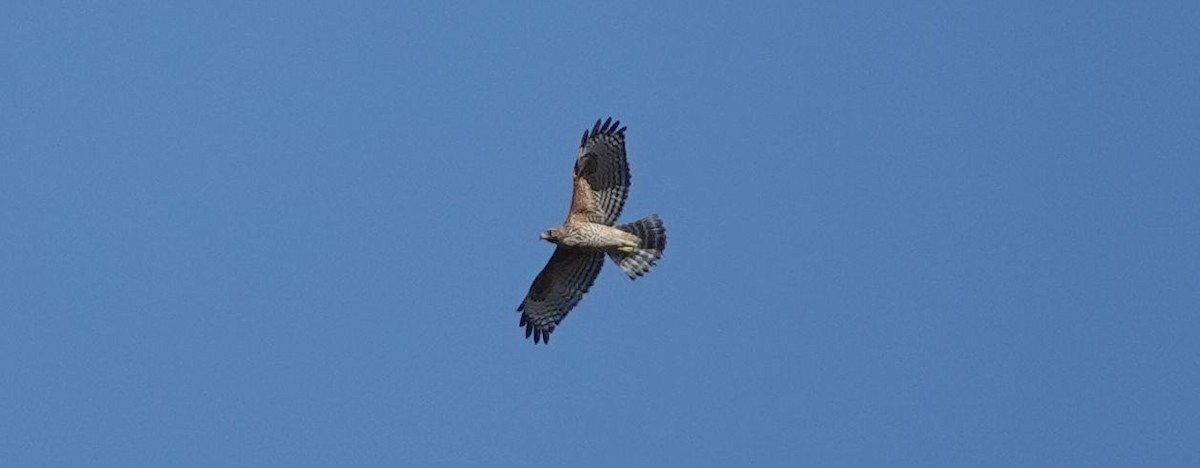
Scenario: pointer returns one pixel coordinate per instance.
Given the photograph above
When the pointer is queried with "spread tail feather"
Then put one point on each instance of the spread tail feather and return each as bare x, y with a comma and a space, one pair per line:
653, 240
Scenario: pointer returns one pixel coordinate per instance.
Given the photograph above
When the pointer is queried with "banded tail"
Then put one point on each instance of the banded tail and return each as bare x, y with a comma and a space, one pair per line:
653, 237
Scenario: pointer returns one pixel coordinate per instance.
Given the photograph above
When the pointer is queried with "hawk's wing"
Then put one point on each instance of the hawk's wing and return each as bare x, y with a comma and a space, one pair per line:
601, 174
561, 284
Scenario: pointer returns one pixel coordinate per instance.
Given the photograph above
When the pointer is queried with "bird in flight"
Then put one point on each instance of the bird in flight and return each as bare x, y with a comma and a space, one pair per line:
589, 233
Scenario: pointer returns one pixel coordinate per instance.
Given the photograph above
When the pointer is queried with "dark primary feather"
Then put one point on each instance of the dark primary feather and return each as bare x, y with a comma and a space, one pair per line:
608, 127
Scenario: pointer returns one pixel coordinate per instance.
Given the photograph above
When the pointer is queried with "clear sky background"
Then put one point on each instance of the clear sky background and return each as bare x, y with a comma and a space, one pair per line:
295, 234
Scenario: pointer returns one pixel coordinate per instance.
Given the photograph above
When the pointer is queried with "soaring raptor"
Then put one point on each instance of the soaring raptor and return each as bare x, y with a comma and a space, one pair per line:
601, 185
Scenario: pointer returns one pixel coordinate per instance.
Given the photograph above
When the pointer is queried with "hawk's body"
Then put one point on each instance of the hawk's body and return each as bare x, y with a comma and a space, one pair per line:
591, 236
600, 188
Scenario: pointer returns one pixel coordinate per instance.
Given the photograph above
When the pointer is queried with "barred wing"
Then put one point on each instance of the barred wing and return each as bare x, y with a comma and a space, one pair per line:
561, 284
601, 174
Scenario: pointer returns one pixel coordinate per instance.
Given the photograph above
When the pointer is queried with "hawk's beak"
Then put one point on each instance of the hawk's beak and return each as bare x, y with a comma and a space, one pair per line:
544, 235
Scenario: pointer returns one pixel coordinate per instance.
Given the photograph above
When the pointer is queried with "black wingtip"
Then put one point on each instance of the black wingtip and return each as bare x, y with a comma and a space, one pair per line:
606, 126
540, 335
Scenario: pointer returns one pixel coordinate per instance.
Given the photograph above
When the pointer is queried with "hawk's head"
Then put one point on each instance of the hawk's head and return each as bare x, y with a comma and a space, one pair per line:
551, 235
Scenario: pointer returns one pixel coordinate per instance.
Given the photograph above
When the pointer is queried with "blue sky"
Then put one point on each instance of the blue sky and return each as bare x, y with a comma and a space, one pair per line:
288, 233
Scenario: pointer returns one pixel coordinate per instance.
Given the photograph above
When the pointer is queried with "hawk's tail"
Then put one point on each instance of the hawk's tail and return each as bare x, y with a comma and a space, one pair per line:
653, 237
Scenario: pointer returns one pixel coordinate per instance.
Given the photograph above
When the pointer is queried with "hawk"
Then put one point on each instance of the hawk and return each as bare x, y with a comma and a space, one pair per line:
601, 184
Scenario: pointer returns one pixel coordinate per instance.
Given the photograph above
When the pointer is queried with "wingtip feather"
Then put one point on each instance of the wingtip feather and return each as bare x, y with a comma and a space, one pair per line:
606, 126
